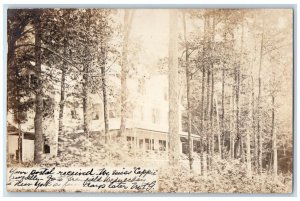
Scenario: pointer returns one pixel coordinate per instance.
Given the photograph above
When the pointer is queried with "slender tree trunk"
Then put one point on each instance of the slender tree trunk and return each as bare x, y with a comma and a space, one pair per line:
174, 138
274, 139
218, 123
85, 101
212, 115
223, 108
207, 119
104, 93
207, 112
230, 129
85, 85
233, 134
258, 105
20, 139
237, 109
189, 114
62, 87
253, 123
202, 113
248, 143
38, 119
240, 82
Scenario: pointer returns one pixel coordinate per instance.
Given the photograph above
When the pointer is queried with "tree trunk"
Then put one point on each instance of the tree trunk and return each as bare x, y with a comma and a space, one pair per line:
258, 105
62, 88
105, 104
248, 142
237, 109
126, 31
274, 139
85, 85
207, 119
202, 113
233, 134
218, 123
223, 108
212, 115
85, 100
189, 114
174, 138
253, 124
38, 119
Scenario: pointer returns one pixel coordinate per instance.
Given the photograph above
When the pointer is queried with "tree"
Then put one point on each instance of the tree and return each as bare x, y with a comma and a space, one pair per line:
190, 144
18, 22
128, 17
173, 90
38, 119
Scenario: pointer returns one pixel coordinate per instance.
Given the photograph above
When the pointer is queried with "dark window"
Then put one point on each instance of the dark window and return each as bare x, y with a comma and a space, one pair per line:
46, 149
95, 117
162, 145
196, 146
73, 114
130, 141
152, 144
141, 142
147, 144
184, 145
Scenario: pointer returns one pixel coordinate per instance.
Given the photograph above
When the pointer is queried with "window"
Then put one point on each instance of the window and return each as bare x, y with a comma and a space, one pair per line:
112, 114
162, 145
147, 144
141, 143
184, 145
155, 116
130, 141
73, 114
95, 116
95, 111
152, 144
46, 146
196, 146
46, 149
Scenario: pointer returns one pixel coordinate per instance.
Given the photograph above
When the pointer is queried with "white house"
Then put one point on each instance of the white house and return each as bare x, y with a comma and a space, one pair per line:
146, 126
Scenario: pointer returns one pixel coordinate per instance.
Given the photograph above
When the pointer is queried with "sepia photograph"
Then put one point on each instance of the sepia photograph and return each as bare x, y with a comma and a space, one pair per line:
177, 100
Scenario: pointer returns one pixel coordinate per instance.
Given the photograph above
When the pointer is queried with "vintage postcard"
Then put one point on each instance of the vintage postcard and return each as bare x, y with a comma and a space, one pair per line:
150, 100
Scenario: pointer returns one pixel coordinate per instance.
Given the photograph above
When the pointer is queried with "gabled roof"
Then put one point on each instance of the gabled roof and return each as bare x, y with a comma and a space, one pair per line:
12, 130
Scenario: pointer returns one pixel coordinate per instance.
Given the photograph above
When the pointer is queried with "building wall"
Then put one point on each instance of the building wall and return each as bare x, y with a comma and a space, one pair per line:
148, 106
27, 148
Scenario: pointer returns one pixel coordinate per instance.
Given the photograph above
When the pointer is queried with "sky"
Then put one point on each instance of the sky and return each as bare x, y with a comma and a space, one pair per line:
152, 29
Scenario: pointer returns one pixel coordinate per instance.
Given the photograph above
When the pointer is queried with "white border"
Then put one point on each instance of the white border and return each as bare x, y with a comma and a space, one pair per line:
157, 3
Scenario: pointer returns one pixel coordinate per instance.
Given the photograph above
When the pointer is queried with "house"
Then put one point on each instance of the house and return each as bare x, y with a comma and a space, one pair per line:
147, 123
26, 129
26, 145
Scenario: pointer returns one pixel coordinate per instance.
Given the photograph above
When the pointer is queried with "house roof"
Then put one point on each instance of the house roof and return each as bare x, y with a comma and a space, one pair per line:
12, 130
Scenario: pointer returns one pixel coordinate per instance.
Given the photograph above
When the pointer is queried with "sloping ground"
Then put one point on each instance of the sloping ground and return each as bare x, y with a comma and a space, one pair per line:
226, 177
80, 151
